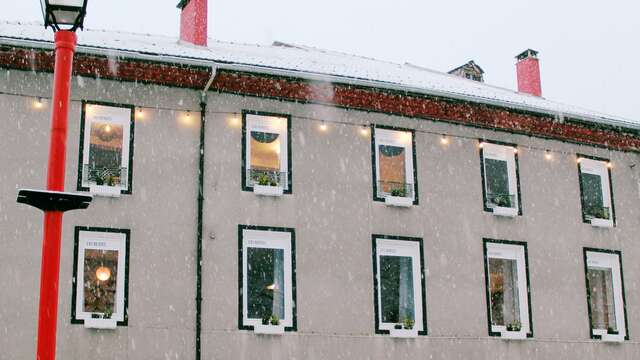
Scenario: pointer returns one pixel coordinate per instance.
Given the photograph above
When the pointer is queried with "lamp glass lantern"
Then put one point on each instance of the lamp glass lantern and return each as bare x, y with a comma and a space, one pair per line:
64, 14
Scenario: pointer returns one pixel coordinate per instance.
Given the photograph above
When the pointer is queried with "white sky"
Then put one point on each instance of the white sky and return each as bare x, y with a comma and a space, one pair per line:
588, 49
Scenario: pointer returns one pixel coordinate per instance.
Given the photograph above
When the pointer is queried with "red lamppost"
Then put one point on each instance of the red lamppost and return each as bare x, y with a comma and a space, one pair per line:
64, 16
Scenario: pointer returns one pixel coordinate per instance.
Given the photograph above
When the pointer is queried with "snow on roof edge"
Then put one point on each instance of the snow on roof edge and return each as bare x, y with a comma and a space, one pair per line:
281, 61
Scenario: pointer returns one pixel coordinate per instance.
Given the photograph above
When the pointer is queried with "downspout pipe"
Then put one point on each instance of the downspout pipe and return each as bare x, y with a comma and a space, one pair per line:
200, 201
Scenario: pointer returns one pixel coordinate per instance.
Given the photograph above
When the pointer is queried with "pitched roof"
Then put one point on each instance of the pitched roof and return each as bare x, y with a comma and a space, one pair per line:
304, 62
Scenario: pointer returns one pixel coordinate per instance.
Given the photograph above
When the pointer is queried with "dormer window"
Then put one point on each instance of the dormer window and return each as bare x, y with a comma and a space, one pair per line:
469, 71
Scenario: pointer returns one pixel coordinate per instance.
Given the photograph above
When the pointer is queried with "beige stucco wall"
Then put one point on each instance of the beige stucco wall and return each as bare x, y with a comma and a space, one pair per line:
333, 214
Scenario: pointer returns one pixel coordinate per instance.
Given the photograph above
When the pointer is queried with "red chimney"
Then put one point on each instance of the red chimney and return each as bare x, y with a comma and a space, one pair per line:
528, 70
193, 21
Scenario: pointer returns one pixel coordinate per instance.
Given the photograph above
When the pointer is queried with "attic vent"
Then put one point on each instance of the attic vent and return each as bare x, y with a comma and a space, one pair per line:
469, 71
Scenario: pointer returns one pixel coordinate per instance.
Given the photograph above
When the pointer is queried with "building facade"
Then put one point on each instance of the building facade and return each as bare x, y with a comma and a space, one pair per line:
241, 213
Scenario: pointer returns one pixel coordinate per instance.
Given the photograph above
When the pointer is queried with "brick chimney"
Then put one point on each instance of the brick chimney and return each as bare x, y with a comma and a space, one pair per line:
528, 70
193, 21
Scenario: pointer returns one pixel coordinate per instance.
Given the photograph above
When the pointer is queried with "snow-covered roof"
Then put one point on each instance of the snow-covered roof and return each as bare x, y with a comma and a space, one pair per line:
303, 61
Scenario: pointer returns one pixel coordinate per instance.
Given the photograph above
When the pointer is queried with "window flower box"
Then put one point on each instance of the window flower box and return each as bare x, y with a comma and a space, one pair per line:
604, 223
505, 211
105, 190
612, 338
268, 190
513, 335
268, 329
403, 333
100, 323
399, 201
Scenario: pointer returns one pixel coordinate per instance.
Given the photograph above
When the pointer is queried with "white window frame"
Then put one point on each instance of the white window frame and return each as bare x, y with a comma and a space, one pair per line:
508, 251
393, 247
269, 239
101, 240
608, 260
273, 124
399, 138
600, 168
504, 153
117, 115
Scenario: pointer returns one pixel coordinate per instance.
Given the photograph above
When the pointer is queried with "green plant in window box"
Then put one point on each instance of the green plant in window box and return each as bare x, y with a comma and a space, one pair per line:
408, 323
514, 326
397, 326
111, 180
502, 200
271, 320
398, 192
612, 331
265, 180
99, 180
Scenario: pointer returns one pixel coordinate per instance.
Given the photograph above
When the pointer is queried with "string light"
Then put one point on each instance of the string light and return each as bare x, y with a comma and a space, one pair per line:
38, 103
548, 153
444, 140
579, 160
515, 150
323, 126
139, 114
481, 145
364, 130
609, 164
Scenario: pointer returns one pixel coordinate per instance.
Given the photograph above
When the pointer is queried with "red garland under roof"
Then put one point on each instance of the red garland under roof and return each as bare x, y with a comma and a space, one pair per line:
342, 95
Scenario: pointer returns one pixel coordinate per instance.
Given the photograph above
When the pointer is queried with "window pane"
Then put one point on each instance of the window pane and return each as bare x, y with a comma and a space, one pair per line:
265, 283
105, 153
497, 179
392, 168
100, 278
265, 158
603, 314
503, 288
592, 201
396, 288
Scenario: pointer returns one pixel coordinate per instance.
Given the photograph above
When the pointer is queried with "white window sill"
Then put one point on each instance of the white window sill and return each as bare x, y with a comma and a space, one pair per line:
269, 329
105, 190
399, 201
612, 338
604, 223
109, 324
266, 190
513, 335
505, 211
403, 333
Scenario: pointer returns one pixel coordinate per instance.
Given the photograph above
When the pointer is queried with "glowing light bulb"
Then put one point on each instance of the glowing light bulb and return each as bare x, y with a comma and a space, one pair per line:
139, 114
444, 140
234, 121
481, 145
323, 126
103, 273
515, 150
579, 160
609, 164
547, 155
364, 130
271, 287
38, 103
107, 128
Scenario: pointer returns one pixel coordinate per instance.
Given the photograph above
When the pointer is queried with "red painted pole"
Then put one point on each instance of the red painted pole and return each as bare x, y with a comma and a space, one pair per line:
50, 268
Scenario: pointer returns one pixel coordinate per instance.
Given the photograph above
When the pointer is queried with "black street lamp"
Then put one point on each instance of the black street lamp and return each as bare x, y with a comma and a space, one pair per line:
66, 13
